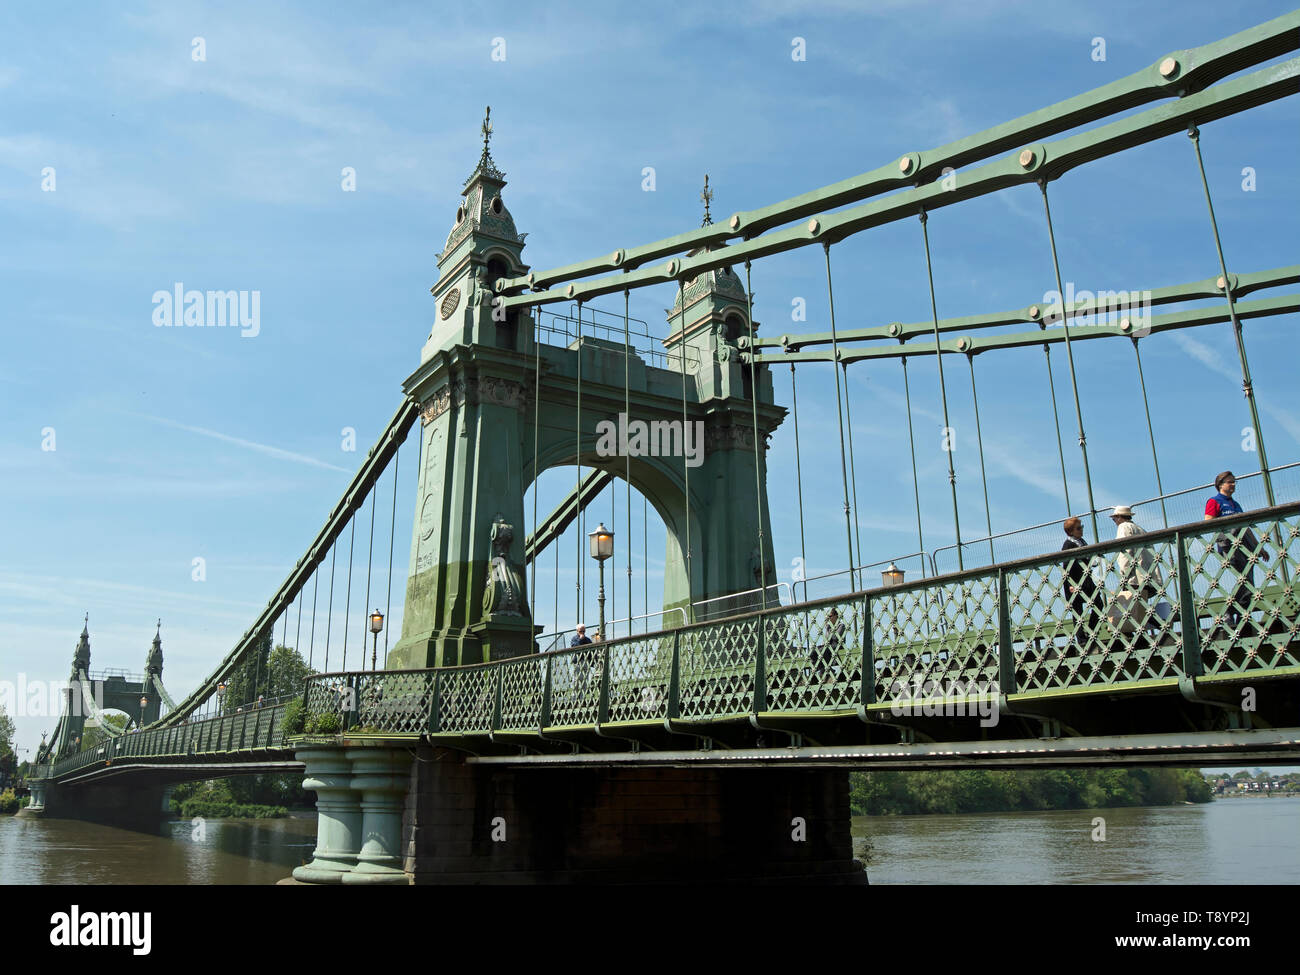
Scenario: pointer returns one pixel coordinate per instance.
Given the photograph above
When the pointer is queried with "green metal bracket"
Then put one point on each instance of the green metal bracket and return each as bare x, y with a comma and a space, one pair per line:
867, 696
494, 723
435, 705
1006, 652
760, 668
602, 706
1193, 666
675, 679
544, 720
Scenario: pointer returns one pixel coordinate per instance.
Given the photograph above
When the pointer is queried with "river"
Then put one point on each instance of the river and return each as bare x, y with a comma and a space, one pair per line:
1230, 841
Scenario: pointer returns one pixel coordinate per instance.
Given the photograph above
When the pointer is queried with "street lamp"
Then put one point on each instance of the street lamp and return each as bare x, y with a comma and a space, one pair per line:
602, 547
376, 624
144, 702
893, 576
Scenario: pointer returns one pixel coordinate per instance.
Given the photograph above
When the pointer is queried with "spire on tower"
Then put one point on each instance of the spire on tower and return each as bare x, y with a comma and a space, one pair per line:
486, 166
707, 197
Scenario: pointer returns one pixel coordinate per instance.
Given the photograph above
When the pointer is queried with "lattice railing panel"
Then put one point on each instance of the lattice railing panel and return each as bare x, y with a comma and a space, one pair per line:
523, 682
717, 667
575, 685
813, 657
940, 637
640, 671
467, 699
394, 702
1244, 582
1110, 619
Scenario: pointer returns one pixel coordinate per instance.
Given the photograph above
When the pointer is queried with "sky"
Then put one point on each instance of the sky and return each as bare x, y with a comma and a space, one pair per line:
148, 145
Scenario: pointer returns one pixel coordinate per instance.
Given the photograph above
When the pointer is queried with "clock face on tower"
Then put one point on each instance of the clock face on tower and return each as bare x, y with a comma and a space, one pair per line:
449, 302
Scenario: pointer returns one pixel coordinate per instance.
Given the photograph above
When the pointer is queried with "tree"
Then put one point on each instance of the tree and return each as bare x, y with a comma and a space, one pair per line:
114, 725
249, 678
6, 732
286, 672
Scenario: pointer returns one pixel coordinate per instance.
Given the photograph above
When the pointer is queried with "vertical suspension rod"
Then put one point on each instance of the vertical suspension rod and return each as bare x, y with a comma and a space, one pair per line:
839, 416
1151, 434
798, 479
1069, 355
758, 478
1248, 388
911, 444
943, 390
979, 437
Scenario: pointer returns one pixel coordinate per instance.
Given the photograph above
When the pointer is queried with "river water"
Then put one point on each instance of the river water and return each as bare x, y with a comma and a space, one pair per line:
1229, 841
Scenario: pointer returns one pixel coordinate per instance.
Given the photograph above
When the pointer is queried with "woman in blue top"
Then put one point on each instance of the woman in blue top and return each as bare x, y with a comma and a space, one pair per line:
1237, 547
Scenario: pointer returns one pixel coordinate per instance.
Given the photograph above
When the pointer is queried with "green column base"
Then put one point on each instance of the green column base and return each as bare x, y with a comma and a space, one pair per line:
380, 778
338, 816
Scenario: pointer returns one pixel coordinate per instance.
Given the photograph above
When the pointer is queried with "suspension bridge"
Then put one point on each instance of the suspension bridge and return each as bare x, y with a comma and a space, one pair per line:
482, 748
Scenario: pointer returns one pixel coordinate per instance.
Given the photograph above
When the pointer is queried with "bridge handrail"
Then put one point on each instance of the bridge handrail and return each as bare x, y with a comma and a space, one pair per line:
988, 634
1055, 523
183, 739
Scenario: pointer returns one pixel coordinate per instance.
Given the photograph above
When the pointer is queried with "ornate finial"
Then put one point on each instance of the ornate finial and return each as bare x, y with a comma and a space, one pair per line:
85, 628
485, 163
706, 196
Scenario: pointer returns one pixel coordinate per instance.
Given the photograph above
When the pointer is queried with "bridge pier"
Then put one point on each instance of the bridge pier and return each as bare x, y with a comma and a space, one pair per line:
338, 815
468, 823
128, 805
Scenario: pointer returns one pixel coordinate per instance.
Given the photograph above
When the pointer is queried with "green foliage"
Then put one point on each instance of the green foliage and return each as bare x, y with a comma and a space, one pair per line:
268, 673
10, 803
264, 790
294, 719
978, 790
327, 723
114, 725
227, 810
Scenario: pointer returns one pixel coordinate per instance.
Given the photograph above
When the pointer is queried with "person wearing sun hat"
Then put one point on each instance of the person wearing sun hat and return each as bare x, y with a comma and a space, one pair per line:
1139, 574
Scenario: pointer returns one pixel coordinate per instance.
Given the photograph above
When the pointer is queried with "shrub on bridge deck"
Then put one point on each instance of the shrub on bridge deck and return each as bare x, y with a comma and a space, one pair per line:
328, 723
294, 720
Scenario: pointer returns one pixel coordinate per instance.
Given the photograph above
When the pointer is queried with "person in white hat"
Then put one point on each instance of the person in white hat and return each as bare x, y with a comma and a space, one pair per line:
1137, 567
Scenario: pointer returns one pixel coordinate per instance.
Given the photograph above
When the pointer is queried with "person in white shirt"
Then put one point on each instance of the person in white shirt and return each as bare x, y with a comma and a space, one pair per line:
1138, 569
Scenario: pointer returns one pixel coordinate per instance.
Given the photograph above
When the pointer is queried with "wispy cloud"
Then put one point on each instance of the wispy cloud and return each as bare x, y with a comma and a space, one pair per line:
1215, 362
261, 448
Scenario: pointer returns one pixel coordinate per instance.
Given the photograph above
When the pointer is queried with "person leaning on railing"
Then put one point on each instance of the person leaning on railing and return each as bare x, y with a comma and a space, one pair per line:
1237, 547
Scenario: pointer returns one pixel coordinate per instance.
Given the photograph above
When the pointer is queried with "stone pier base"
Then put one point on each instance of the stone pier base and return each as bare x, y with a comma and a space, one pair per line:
489, 824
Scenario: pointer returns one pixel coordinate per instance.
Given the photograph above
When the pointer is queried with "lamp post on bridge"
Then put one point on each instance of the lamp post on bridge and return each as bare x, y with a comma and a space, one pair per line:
144, 703
602, 547
376, 625
221, 693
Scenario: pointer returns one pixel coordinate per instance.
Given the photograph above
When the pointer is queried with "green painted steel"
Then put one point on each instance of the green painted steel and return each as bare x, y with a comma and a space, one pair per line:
1010, 631
1047, 162
1261, 308
1193, 70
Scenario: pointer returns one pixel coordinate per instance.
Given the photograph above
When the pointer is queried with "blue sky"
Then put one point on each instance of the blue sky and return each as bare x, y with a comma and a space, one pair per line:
173, 444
